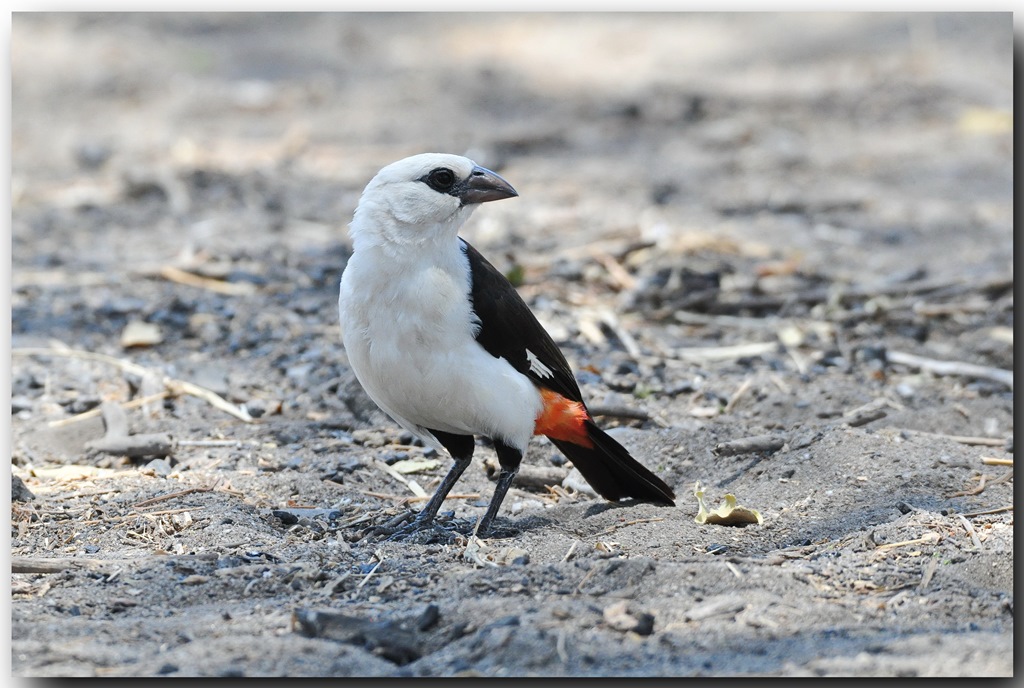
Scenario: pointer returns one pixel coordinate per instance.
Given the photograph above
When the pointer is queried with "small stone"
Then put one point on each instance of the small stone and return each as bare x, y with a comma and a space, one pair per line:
906, 391
159, 468
140, 334
19, 404
83, 404
92, 155
257, 408
20, 493
618, 617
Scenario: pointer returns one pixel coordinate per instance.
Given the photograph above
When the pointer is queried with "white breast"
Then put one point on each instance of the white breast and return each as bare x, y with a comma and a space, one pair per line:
409, 332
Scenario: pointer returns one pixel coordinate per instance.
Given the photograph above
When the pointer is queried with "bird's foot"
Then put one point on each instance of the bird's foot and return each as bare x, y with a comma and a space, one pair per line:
417, 529
407, 527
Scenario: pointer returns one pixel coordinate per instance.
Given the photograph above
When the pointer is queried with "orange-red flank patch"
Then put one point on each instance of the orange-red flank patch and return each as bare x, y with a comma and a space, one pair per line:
562, 419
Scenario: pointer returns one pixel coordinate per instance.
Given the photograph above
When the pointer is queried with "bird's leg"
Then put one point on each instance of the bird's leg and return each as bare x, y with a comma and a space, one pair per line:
426, 516
461, 448
509, 459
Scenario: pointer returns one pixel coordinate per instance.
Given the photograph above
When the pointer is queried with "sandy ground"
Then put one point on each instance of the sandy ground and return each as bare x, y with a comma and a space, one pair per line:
793, 228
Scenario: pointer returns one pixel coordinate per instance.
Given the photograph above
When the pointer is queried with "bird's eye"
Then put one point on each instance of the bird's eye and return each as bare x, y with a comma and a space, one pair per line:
442, 179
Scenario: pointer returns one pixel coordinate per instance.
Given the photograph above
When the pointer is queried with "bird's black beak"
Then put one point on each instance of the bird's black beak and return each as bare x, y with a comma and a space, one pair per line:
484, 185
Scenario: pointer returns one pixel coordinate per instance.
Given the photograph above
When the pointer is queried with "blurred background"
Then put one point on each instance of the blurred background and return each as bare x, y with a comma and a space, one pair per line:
715, 163
786, 128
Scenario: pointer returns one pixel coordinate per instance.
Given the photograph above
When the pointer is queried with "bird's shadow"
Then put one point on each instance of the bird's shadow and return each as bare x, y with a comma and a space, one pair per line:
601, 507
446, 529
508, 529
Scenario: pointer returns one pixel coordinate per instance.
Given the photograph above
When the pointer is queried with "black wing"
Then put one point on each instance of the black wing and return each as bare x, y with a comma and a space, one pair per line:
509, 330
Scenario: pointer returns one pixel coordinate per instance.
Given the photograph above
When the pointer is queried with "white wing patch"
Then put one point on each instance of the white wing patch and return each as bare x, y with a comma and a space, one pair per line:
536, 366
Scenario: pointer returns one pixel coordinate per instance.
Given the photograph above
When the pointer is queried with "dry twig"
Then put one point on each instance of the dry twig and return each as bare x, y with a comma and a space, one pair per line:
137, 514
118, 441
413, 486
609, 320
929, 310
92, 413
619, 412
725, 353
989, 512
380, 560
926, 576
530, 477
863, 417
173, 274
951, 367
928, 539
692, 318
749, 445
962, 439
838, 294
738, 394
212, 398
623, 280
171, 495
590, 574
969, 527
53, 564
982, 484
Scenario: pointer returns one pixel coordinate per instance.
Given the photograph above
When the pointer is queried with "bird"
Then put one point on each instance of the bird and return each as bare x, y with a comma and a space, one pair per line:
443, 343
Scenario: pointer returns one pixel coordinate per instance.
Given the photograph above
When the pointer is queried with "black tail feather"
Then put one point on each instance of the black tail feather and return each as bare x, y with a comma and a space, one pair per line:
612, 472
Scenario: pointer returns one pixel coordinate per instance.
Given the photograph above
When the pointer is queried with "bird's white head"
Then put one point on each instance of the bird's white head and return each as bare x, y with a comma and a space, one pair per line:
423, 198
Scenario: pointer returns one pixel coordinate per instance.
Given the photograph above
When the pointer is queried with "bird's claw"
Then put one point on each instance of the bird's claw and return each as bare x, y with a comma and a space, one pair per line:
416, 527
402, 528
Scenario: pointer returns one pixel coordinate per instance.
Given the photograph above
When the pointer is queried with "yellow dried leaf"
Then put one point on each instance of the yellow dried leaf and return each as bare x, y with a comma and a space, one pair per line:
729, 513
407, 466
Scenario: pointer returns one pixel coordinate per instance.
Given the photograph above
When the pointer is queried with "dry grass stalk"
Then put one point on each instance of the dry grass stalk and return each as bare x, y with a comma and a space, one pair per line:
962, 439
969, 527
951, 367
172, 495
173, 274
